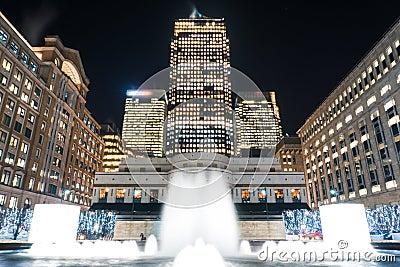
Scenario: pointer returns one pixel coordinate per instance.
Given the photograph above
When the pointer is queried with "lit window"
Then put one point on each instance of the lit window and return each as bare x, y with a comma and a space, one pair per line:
137, 195
31, 184
120, 195
18, 75
10, 158
14, 142
28, 84
6, 177
24, 58
24, 97
154, 196
3, 37
21, 162
245, 195
14, 48
10, 104
385, 89
279, 198
6, 65
3, 136
24, 147
359, 110
348, 118
3, 80
31, 118
389, 104
371, 100
13, 202
2, 197
34, 167
33, 67
14, 89
296, 195
34, 104
262, 195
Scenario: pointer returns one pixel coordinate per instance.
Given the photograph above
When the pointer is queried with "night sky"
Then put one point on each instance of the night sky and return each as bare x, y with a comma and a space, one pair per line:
299, 50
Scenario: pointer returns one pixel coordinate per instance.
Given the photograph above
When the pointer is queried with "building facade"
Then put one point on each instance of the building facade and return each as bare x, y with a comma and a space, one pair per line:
143, 125
42, 102
252, 180
257, 123
351, 143
289, 153
200, 117
113, 147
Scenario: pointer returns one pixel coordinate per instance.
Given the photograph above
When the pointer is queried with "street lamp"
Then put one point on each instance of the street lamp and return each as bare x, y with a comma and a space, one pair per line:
64, 192
335, 193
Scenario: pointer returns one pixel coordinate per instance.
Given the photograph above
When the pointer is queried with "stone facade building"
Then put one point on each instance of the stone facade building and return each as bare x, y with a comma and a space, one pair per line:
50, 146
351, 142
252, 180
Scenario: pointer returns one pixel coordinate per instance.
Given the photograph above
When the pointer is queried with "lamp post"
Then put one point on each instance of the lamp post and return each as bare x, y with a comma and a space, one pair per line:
335, 193
133, 202
64, 192
266, 204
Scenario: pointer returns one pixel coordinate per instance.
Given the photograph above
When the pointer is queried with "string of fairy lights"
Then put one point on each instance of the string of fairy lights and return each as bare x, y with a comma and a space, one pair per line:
97, 224
100, 224
384, 219
15, 223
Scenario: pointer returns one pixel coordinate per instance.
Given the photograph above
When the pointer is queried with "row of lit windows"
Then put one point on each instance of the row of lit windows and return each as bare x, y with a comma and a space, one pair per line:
370, 157
348, 119
368, 77
15, 49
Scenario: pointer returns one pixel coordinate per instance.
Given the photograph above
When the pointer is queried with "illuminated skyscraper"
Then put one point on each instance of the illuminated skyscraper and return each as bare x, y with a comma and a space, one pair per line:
200, 115
113, 148
258, 123
143, 126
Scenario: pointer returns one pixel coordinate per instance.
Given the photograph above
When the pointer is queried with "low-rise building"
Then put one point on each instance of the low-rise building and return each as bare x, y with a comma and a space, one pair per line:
252, 181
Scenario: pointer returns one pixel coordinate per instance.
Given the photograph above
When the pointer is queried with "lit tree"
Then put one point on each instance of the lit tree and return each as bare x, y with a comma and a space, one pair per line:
96, 224
18, 220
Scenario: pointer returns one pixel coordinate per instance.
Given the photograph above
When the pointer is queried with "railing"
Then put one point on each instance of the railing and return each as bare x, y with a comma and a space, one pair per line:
138, 217
156, 217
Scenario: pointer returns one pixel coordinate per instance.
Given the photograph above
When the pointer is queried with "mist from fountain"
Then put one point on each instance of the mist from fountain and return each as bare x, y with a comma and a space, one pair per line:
151, 247
245, 247
199, 255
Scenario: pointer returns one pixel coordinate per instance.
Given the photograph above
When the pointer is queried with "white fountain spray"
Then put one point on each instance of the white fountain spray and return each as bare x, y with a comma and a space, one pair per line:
199, 206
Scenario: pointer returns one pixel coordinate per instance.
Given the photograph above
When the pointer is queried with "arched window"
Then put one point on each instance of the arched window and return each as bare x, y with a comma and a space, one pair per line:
27, 203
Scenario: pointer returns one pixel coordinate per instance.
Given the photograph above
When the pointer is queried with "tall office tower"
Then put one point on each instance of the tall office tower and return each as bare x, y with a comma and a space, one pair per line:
351, 142
257, 123
50, 145
113, 148
200, 117
143, 125
277, 114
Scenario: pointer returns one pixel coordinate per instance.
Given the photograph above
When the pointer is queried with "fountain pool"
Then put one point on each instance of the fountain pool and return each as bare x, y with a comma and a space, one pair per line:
115, 253
199, 228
